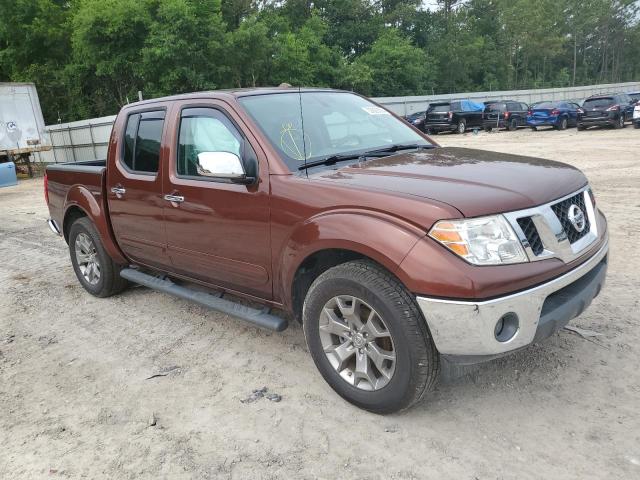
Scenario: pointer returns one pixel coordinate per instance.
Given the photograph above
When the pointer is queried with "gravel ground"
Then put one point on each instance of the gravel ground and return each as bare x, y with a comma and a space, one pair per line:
77, 401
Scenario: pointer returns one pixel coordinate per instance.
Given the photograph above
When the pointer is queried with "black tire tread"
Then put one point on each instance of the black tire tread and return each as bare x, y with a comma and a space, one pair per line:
379, 279
110, 271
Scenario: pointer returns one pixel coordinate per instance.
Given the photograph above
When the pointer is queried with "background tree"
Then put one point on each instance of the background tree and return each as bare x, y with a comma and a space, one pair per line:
89, 57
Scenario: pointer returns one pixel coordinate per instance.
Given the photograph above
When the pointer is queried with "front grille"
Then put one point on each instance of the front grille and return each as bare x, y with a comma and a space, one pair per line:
531, 233
561, 209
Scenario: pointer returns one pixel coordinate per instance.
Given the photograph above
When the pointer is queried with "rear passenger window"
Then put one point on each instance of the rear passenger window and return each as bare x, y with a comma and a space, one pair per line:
142, 138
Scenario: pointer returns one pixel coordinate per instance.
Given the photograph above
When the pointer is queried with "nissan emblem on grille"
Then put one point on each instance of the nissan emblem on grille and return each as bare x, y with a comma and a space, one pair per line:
576, 217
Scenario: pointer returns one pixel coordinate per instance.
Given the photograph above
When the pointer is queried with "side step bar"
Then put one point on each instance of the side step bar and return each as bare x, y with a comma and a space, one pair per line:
259, 318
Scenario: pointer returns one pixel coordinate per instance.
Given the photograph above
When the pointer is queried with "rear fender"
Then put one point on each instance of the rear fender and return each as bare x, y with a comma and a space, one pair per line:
82, 198
380, 237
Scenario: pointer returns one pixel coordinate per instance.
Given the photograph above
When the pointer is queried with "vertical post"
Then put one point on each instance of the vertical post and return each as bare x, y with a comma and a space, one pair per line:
53, 146
73, 151
93, 142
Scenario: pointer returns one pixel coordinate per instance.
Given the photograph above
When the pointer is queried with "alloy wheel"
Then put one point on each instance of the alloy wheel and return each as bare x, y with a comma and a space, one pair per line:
357, 342
87, 258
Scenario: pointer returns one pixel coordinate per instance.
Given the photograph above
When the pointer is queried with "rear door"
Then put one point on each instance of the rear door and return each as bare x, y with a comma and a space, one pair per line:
218, 232
134, 187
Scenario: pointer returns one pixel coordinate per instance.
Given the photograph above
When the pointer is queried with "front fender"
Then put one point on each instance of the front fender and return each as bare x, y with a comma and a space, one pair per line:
381, 237
93, 206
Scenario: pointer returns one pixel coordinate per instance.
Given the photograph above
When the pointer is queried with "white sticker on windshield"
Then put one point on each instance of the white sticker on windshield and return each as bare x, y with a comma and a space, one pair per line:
375, 110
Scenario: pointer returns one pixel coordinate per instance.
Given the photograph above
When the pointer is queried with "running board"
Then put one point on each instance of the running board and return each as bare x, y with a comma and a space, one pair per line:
259, 318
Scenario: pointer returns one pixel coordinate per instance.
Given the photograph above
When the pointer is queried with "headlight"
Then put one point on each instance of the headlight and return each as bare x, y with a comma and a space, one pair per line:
481, 241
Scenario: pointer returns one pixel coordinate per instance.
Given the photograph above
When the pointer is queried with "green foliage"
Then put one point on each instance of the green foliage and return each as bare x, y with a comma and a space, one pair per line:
395, 65
89, 57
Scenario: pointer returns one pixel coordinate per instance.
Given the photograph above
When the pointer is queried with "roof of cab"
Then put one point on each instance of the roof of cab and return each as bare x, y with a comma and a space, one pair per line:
234, 93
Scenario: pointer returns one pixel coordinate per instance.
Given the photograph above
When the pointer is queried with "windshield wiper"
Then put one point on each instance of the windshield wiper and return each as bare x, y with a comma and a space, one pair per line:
378, 152
396, 148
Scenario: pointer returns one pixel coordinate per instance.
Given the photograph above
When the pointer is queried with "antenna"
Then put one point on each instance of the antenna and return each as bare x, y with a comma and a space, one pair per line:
304, 140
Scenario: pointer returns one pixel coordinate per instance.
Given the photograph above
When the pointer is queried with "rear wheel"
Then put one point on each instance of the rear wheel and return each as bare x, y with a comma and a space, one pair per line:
580, 127
488, 129
620, 122
95, 270
462, 126
563, 124
513, 125
636, 125
368, 339
535, 129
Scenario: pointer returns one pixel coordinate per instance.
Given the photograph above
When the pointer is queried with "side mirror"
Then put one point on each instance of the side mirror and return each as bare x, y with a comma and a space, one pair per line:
222, 165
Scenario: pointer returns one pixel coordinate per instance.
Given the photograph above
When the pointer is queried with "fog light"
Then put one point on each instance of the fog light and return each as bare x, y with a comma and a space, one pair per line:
506, 327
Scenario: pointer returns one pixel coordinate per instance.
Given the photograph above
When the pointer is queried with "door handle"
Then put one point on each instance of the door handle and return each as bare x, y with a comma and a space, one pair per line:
119, 191
174, 198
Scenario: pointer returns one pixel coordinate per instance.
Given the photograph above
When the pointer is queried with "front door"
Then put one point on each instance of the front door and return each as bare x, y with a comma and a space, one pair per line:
134, 187
217, 230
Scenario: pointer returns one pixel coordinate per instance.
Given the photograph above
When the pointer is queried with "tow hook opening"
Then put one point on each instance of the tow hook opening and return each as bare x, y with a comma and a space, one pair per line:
506, 327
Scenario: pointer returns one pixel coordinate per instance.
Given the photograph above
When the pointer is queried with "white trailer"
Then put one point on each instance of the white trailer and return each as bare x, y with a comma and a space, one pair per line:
22, 130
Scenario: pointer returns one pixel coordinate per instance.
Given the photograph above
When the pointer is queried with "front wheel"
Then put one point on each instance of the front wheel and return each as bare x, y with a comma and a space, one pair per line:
368, 339
96, 271
462, 126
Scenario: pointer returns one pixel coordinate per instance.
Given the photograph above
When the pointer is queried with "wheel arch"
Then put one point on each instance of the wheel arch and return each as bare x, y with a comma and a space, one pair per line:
333, 239
80, 202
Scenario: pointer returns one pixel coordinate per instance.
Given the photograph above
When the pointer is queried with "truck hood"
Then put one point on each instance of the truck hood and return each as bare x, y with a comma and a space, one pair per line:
476, 182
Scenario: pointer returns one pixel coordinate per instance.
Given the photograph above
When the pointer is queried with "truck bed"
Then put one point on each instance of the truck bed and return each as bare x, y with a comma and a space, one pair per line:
85, 176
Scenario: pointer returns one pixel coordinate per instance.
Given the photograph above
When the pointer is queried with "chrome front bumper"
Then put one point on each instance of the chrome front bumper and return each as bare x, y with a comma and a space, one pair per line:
468, 329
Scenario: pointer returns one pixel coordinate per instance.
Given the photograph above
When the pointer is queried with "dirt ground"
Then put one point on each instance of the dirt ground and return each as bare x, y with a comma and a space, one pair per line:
76, 400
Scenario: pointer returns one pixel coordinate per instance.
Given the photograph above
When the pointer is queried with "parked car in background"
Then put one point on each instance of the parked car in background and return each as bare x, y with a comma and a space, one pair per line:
417, 119
558, 115
507, 114
606, 110
635, 96
452, 116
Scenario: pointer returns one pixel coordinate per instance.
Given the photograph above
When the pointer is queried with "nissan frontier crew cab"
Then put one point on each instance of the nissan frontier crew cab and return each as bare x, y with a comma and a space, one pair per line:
395, 254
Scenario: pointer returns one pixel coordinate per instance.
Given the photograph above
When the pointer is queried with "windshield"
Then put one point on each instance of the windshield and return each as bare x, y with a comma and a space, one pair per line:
496, 107
334, 123
546, 105
444, 107
598, 102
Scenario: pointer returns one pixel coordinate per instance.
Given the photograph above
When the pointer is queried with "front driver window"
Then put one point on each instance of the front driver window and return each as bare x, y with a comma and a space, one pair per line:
204, 130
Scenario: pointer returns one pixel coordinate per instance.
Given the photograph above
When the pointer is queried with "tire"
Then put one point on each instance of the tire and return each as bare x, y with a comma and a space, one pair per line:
580, 127
535, 129
636, 125
563, 124
462, 126
620, 122
513, 125
84, 240
416, 361
488, 129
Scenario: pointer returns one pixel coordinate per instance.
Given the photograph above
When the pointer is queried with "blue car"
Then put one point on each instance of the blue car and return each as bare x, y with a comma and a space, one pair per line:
558, 115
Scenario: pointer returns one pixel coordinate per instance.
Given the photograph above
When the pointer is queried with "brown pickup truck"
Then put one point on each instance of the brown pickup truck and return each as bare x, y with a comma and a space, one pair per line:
395, 254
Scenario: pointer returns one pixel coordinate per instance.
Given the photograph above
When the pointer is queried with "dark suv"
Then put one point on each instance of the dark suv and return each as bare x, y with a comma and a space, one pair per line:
606, 110
507, 114
453, 116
